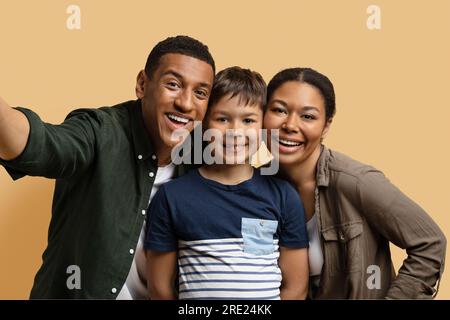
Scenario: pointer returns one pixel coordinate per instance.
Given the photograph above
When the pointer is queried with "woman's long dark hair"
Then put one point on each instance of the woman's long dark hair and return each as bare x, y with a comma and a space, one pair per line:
309, 76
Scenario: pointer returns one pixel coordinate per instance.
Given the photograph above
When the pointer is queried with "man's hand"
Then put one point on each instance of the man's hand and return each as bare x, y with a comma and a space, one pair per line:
161, 273
14, 131
294, 267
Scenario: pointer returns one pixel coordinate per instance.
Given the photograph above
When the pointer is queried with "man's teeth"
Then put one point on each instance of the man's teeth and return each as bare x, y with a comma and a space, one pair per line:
290, 143
176, 118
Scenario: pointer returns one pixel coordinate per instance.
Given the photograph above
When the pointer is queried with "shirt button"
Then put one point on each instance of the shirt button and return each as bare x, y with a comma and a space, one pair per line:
151, 174
113, 290
153, 157
143, 212
131, 251
140, 157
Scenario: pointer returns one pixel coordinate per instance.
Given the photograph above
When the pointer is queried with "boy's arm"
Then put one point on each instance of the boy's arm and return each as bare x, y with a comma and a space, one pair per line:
294, 267
161, 244
14, 131
294, 242
161, 273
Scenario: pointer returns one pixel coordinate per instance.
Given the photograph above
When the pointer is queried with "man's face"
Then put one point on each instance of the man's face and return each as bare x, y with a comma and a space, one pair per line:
174, 96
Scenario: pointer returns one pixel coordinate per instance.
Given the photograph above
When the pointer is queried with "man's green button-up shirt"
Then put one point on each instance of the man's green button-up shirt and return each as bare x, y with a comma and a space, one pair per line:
104, 170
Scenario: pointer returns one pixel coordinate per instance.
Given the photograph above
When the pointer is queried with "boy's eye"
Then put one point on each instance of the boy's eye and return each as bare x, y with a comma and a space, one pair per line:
248, 121
222, 119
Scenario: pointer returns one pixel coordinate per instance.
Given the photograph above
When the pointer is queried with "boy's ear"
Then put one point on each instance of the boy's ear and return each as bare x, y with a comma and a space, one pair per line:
141, 81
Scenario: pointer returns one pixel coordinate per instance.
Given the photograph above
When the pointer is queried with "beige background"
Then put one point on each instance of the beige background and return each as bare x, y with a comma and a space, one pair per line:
392, 85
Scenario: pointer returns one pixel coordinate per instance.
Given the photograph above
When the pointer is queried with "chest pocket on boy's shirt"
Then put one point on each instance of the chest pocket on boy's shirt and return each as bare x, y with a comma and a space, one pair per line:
258, 235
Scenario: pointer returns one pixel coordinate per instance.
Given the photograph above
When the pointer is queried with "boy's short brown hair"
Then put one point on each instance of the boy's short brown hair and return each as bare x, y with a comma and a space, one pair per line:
248, 85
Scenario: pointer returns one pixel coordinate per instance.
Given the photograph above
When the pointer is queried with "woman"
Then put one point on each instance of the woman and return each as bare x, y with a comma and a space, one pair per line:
353, 211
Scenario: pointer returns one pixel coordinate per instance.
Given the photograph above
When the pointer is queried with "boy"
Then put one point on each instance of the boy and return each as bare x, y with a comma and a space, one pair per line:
236, 234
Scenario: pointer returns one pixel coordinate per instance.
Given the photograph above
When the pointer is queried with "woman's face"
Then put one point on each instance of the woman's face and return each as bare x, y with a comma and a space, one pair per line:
298, 110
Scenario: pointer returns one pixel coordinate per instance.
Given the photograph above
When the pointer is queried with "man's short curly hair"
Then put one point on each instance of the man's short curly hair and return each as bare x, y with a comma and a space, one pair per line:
180, 44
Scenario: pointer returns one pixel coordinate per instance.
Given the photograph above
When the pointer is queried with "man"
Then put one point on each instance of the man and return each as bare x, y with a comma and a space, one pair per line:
107, 163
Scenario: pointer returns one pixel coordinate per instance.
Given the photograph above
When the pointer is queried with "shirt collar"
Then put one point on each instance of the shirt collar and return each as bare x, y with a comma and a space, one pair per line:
141, 139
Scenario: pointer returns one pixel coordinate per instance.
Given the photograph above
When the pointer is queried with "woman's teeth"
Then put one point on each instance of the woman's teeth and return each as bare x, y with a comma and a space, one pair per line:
178, 119
289, 143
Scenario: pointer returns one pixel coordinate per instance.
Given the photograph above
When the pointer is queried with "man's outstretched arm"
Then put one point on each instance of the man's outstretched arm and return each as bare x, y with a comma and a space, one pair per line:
14, 131
29, 146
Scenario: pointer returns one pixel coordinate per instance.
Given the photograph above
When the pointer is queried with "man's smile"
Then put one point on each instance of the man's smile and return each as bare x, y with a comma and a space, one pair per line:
177, 120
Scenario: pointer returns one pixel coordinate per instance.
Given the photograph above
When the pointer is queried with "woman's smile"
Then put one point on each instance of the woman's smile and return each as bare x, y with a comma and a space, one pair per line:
289, 145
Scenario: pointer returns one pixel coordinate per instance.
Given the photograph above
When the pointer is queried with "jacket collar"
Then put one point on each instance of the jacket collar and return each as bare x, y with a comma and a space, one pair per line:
323, 172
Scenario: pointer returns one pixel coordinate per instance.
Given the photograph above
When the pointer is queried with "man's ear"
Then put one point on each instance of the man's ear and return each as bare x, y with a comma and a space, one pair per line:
141, 80
327, 128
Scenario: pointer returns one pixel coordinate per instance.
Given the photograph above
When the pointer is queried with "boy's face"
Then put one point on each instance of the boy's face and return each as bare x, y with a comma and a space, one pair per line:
239, 127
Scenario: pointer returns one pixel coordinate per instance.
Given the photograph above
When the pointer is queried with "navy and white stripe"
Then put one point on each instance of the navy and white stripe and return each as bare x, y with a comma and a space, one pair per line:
220, 269
227, 236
